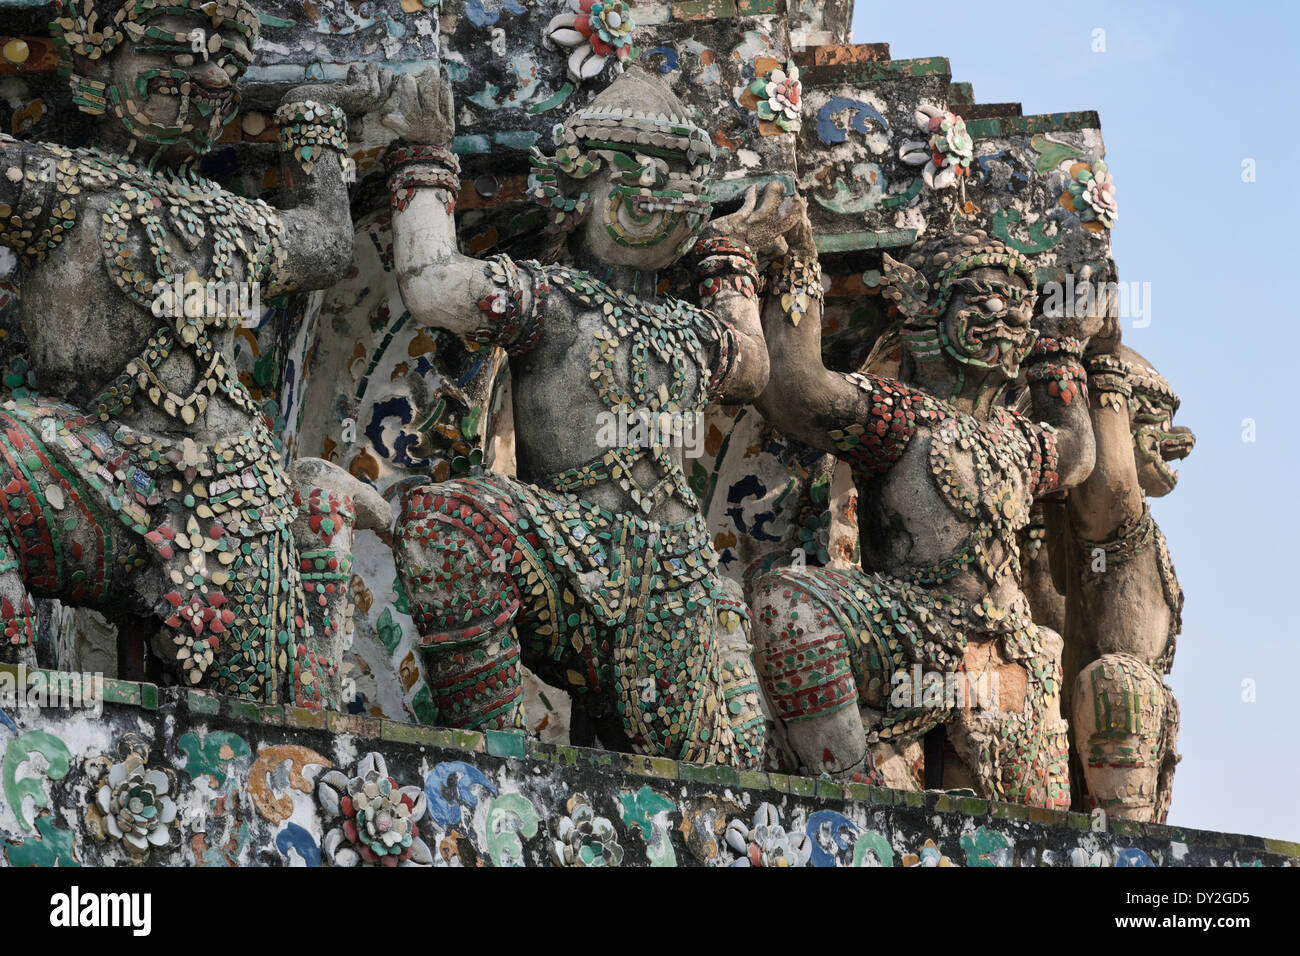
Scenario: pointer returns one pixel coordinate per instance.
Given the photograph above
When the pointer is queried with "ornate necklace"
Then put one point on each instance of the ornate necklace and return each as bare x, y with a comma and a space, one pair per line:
997, 455
668, 332
246, 246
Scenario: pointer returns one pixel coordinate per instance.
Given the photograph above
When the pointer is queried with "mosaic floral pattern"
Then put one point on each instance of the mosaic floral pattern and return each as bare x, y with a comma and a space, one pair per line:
780, 98
378, 819
946, 155
133, 803
765, 842
1092, 194
251, 806
596, 31
584, 838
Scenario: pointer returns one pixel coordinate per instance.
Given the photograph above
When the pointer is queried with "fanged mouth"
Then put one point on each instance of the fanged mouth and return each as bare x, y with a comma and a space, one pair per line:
999, 342
220, 99
1159, 447
1167, 473
1175, 446
647, 203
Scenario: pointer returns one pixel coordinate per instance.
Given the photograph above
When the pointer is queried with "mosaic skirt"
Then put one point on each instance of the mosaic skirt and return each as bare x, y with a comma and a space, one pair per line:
839, 639
625, 614
102, 515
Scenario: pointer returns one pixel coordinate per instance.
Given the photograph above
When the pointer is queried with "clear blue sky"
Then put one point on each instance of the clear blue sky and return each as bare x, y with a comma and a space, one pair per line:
1186, 91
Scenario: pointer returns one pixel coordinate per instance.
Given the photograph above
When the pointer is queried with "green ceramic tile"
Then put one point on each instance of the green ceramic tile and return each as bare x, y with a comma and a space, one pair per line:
728, 776
704, 9
307, 719
407, 733
202, 702
506, 743
803, 786
242, 710
1282, 847
695, 773
470, 740
121, 692
1010, 811
650, 766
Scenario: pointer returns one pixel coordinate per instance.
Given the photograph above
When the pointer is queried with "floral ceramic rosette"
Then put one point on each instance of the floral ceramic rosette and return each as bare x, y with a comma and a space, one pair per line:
596, 31
766, 842
946, 155
780, 98
585, 839
376, 820
132, 803
1092, 194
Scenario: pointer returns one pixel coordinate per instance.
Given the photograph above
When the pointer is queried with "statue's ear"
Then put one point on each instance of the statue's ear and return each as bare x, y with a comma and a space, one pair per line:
905, 286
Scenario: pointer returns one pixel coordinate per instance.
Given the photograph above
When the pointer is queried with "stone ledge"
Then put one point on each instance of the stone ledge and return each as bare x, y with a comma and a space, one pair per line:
245, 780
1038, 123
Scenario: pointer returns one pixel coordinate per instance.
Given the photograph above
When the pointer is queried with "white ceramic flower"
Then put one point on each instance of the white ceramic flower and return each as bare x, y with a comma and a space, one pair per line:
595, 31
1099, 194
378, 821
134, 805
765, 842
780, 97
946, 155
585, 839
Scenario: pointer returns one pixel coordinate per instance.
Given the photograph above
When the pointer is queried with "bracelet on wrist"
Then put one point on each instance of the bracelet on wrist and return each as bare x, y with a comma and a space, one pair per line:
308, 128
403, 154
1065, 380
1048, 347
1110, 377
798, 281
722, 264
413, 166
508, 324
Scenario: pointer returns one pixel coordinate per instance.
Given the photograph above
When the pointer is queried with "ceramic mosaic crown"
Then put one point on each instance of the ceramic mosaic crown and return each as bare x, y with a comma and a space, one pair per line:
636, 114
94, 28
1144, 378
640, 113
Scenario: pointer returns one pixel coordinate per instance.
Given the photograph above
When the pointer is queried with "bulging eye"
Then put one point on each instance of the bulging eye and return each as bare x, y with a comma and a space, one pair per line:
995, 303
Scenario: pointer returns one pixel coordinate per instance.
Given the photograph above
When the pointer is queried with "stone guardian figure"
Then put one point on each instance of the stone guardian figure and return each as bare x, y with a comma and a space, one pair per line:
1123, 600
141, 478
594, 568
933, 633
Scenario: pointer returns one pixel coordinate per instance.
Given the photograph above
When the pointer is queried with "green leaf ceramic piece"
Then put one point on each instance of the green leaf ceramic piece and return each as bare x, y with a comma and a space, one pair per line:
56, 755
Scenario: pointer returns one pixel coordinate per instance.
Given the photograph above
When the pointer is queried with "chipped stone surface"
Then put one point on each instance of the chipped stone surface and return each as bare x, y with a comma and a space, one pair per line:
248, 792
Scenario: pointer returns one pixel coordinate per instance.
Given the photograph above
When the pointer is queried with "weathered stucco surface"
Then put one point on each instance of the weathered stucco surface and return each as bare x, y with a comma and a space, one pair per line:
246, 782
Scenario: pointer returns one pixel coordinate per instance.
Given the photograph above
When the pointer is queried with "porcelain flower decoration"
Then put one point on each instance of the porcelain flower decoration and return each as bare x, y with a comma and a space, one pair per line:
595, 31
378, 821
780, 97
585, 839
946, 155
133, 804
1093, 192
766, 842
